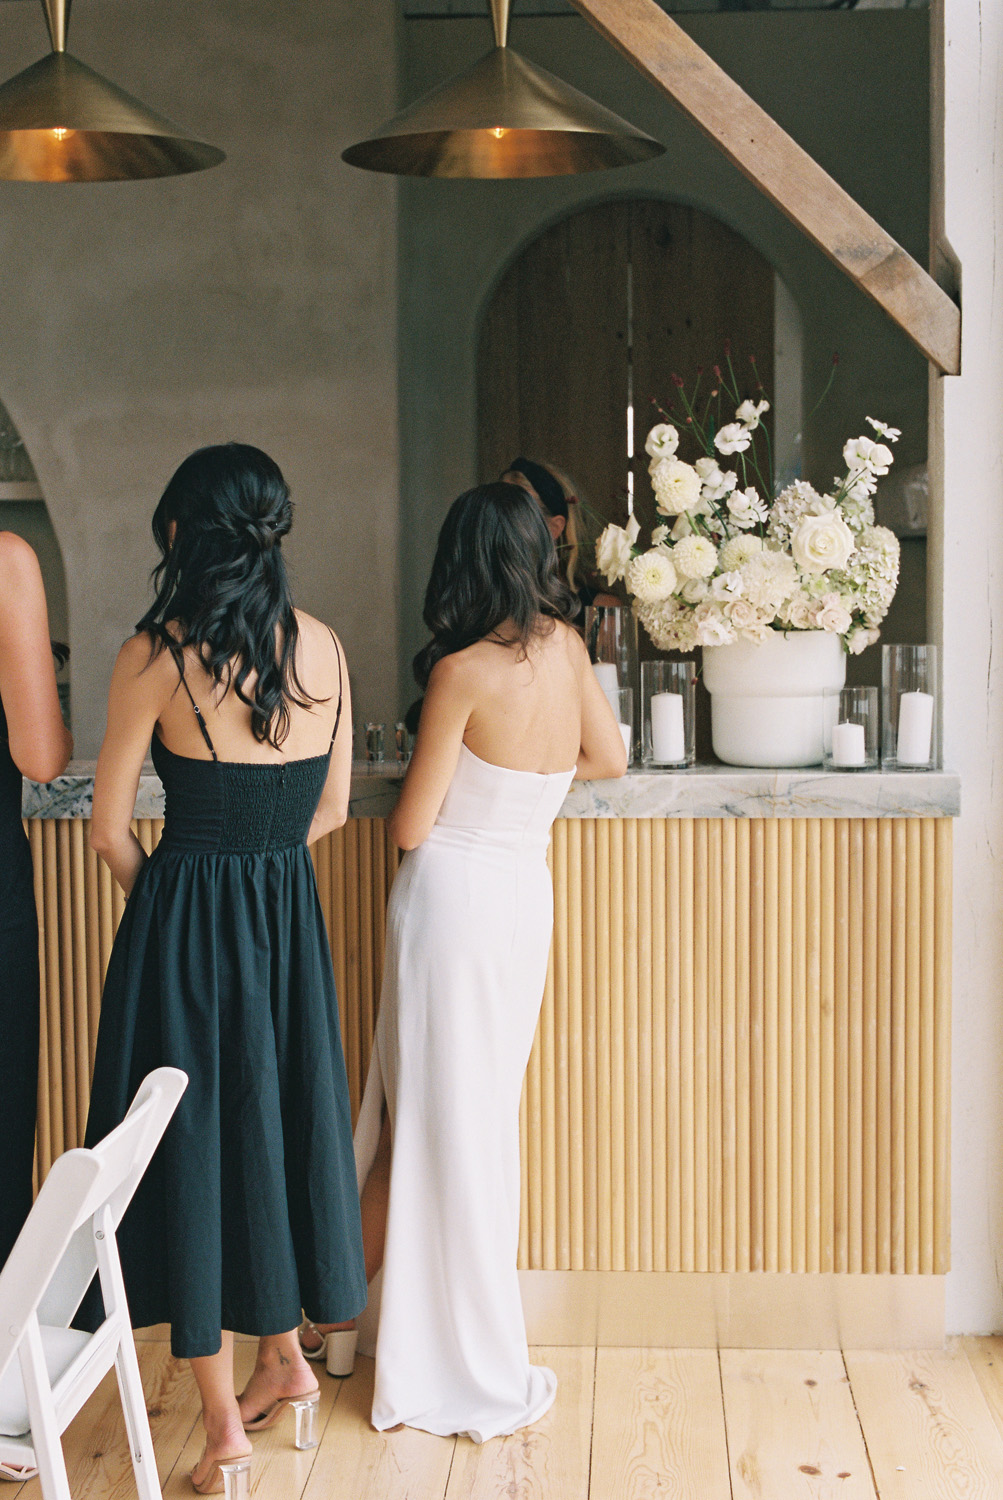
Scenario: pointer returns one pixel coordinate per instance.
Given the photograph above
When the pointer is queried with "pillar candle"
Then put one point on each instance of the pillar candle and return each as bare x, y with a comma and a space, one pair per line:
848, 745
668, 735
915, 734
606, 676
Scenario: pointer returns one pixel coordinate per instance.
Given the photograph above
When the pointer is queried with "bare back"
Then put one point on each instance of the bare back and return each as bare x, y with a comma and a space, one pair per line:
527, 707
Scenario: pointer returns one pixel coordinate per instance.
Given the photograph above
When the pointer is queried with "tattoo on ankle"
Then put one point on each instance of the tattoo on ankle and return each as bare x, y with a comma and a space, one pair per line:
283, 1360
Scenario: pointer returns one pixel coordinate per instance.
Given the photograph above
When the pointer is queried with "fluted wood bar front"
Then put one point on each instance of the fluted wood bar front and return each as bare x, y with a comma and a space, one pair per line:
742, 1062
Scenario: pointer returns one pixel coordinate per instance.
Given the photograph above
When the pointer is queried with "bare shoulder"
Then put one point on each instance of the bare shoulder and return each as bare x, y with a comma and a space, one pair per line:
460, 668
564, 638
316, 634
18, 564
140, 655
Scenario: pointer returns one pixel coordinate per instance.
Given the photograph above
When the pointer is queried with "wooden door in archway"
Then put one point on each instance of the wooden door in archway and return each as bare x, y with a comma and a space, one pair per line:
592, 319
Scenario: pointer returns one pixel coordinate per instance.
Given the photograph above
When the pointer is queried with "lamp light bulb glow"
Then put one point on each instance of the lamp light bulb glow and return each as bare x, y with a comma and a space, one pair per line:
60, 133
498, 131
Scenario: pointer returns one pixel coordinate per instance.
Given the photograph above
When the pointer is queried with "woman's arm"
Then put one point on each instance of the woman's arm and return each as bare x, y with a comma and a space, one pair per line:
602, 755
39, 741
140, 690
449, 699
332, 809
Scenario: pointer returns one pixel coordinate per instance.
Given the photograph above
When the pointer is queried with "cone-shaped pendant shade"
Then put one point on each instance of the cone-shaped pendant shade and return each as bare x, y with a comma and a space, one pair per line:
62, 122
504, 118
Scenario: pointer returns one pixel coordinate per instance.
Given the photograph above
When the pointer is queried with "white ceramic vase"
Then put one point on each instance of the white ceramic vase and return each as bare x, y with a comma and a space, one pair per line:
767, 701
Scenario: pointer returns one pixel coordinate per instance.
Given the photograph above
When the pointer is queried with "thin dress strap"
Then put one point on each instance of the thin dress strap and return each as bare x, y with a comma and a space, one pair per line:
180, 664
337, 717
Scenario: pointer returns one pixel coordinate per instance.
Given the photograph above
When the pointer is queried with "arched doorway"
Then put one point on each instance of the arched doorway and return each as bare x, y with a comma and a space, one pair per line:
588, 325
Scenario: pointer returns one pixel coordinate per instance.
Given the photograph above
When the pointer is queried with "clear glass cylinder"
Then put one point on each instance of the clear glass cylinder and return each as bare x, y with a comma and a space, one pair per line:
852, 726
622, 704
910, 736
611, 638
668, 712
375, 743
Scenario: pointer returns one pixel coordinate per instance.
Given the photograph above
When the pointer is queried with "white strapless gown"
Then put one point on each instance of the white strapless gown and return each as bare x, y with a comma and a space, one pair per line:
468, 935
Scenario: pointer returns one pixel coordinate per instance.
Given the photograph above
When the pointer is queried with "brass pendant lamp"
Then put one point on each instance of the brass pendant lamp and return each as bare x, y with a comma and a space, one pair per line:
504, 117
62, 122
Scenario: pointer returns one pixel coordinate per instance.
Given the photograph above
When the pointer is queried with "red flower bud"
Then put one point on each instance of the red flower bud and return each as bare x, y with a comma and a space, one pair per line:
678, 382
727, 347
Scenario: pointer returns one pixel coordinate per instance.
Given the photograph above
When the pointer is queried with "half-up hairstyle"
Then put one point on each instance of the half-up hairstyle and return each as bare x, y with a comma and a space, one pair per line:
221, 585
494, 563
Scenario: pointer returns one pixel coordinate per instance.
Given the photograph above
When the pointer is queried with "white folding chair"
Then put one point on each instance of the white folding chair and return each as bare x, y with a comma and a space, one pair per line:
69, 1237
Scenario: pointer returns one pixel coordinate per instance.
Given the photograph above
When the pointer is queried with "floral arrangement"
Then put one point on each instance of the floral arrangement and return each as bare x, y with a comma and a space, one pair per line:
734, 565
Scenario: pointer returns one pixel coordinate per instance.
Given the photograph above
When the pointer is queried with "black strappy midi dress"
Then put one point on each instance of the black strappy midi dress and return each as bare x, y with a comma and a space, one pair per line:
18, 1004
249, 1211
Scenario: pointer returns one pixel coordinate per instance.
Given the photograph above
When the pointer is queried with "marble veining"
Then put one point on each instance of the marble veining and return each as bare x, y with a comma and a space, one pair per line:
701, 792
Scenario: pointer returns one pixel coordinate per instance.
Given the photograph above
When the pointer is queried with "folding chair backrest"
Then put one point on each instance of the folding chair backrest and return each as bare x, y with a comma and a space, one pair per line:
42, 1244
59, 1234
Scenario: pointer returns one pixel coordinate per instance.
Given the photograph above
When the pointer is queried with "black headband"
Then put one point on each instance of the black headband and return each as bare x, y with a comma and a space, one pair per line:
544, 483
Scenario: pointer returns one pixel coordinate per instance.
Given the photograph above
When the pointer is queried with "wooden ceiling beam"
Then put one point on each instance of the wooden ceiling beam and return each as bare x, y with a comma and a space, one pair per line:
661, 50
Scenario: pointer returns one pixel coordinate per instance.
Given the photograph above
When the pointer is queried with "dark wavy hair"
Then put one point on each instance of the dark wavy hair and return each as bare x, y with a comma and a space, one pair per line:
221, 585
495, 562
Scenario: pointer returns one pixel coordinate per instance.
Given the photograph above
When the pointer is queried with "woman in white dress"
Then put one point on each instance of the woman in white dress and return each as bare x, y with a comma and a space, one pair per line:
512, 714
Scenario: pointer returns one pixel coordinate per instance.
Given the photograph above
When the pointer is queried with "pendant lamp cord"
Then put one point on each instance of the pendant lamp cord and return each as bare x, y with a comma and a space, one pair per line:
57, 16
499, 19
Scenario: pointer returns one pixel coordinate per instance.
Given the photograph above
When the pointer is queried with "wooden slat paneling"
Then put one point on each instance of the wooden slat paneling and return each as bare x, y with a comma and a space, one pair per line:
743, 1055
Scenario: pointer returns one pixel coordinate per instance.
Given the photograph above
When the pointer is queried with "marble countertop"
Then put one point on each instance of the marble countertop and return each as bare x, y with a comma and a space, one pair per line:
700, 792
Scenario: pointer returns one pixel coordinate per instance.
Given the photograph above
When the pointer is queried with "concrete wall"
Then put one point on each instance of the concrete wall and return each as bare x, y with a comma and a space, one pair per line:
828, 78
256, 301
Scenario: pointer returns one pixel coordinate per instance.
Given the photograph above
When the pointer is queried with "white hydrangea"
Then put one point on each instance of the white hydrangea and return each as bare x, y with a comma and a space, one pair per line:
676, 485
712, 627
737, 550
670, 625
652, 576
798, 500
871, 576
695, 557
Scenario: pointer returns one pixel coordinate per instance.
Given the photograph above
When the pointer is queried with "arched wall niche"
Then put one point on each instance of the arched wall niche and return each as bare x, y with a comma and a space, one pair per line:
23, 510
457, 238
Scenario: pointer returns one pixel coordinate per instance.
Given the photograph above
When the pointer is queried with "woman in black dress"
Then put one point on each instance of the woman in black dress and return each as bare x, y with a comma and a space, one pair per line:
221, 966
35, 743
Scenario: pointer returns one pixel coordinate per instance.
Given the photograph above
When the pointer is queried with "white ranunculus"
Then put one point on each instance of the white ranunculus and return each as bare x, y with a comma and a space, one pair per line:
732, 438
695, 557
676, 485
750, 412
746, 508
662, 441
822, 542
651, 577
737, 550
613, 552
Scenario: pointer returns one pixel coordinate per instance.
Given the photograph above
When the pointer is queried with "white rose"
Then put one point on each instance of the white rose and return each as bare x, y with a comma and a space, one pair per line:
613, 552
834, 615
662, 441
742, 614
676, 485
695, 590
746, 508
695, 557
750, 412
822, 542
738, 550
732, 438
799, 613
651, 577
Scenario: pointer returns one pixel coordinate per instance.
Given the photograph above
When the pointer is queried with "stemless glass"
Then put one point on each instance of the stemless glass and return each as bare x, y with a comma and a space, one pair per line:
375, 739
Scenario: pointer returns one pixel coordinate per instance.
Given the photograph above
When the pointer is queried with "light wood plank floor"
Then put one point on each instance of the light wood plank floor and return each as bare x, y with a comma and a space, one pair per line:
629, 1424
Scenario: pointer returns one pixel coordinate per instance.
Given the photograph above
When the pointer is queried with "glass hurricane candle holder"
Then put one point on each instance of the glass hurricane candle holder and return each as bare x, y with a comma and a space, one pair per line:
910, 738
851, 730
668, 712
622, 704
402, 743
611, 638
375, 743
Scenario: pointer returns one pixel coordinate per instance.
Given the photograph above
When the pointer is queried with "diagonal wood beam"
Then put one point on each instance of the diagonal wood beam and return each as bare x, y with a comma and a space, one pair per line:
661, 50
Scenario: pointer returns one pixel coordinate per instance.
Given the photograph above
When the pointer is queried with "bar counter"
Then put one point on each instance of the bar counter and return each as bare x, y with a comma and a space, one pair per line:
735, 1122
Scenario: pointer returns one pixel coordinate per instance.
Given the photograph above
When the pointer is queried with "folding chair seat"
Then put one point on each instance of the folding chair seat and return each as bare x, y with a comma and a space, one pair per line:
47, 1368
